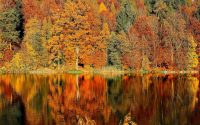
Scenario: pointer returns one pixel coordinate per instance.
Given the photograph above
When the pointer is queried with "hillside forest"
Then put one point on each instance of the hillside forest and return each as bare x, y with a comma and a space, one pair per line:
130, 35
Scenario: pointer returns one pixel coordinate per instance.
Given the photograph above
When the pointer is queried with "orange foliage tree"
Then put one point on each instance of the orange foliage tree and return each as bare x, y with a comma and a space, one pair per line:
78, 30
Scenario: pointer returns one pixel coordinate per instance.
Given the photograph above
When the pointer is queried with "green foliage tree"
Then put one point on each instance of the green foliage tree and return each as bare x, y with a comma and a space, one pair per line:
126, 16
150, 5
170, 4
33, 54
161, 9
9, 21
11, 24
198, 13
114, 51
176, 4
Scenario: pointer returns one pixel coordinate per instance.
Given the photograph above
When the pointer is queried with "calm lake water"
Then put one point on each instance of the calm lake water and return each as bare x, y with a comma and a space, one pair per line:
102, 100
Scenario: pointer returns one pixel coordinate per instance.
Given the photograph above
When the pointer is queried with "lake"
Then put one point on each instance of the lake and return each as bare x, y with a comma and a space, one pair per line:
66, 99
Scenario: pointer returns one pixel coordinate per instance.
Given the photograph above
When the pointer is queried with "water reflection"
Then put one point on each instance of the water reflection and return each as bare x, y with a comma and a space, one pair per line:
99, 100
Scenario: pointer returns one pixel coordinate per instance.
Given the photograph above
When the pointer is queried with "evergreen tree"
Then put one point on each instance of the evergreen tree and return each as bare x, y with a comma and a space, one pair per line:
11, 24
150, 5
126, 16
114, 51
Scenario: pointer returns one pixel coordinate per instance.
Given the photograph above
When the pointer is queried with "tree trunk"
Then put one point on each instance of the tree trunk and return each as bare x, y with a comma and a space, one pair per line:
155, 59
77, 52
172, 55
10, 46
59, 59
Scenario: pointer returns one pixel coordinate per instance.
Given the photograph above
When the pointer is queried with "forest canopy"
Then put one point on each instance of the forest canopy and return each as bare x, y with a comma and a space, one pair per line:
125, 34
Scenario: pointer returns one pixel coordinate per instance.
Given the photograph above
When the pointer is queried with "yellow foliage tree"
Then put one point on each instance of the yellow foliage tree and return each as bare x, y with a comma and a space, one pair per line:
192, 57
35, 43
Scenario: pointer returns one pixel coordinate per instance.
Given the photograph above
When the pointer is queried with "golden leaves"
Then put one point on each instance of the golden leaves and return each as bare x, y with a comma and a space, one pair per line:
102, 8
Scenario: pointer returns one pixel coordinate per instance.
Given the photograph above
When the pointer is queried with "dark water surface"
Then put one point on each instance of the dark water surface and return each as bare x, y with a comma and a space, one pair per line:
99, 100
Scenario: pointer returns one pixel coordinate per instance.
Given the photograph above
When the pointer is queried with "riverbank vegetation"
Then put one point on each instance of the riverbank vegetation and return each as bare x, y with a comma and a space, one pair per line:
91, 35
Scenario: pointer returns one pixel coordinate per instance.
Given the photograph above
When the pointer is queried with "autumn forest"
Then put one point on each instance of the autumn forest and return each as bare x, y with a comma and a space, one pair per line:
132, 35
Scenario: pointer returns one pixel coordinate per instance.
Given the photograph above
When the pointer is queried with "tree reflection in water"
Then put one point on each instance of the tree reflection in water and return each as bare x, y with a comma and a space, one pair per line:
102, 100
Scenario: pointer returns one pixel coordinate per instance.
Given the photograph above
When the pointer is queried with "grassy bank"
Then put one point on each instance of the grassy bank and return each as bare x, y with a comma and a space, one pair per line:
105, 71
145, 72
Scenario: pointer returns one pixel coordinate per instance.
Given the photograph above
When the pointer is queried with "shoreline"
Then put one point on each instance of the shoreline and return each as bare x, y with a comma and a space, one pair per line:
99, 71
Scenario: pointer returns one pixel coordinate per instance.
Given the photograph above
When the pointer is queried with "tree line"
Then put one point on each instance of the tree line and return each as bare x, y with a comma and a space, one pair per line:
125, 34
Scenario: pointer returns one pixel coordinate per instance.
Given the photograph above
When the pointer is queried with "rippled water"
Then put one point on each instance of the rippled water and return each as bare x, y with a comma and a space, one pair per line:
102, 100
